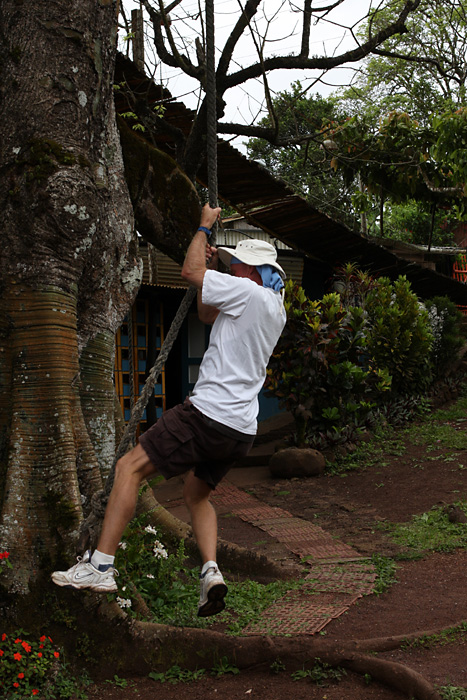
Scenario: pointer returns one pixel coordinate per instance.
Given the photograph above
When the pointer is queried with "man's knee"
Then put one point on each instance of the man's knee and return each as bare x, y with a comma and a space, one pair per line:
134, 464
124, 467
195, 491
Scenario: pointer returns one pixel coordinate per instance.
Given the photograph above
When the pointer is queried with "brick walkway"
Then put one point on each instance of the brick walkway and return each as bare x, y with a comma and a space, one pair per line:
338, 575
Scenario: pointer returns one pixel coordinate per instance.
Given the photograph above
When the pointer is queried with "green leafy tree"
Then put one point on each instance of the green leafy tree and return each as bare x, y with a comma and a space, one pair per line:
399, 161
408, 222
302, 121
421, 71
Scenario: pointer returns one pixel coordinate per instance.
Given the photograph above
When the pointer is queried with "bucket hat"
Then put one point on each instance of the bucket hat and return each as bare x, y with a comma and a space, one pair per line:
252, 251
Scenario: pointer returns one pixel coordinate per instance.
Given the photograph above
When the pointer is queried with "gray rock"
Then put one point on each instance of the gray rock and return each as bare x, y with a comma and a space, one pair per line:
297, 462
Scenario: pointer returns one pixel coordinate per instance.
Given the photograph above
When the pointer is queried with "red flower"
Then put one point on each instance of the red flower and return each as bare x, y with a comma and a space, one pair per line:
3, 637
17, 656
56, 654
15, 685
4, 555
39, 654
26, 646
41, 646
34, 691
20, 675
1, 652
18, 641
49, 638
43, 638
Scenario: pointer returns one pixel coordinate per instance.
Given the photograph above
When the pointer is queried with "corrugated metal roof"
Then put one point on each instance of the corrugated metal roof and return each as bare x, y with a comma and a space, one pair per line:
269, 204
230, 236
161, 271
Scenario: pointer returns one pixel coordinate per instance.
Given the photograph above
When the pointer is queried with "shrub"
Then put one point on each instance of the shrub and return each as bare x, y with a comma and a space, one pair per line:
446, 325
399, 336
335, 360
32, 667
320, 370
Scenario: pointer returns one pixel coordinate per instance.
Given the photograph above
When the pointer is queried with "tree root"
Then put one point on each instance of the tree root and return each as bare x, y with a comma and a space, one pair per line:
393, 674
163, 646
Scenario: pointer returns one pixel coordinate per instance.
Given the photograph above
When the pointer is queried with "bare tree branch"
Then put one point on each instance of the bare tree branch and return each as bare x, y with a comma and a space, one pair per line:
449, 191
304, 62
174, 59
269, 134
248, 12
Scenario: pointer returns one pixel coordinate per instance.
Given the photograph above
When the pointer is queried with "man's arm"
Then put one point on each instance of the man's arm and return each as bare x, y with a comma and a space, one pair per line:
194, 267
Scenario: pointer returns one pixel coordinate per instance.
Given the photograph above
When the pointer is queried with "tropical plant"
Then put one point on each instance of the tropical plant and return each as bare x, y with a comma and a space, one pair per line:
398, 336
320, 369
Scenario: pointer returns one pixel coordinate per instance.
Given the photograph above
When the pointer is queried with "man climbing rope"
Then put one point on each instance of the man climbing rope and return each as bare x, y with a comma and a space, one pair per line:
216, 425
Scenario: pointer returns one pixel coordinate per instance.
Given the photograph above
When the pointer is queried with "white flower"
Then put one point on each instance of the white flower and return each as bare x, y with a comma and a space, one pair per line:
149, 576
124, 602
152, 530
122, 545
159, 550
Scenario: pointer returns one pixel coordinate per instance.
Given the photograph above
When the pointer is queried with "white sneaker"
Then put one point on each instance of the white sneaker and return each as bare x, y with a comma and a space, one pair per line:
85, 575
213, 592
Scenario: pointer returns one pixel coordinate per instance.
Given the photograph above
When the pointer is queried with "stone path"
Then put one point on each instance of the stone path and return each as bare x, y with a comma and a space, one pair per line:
338, 575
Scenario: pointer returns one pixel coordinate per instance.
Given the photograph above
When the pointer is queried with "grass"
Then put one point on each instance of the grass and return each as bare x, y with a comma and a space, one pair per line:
451, 692
439, 430
385, 571
447, 636
431, 532
249, 599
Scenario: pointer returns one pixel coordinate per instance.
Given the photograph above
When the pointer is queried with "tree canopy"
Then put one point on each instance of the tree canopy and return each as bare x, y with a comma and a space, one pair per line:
421, 71
397, 135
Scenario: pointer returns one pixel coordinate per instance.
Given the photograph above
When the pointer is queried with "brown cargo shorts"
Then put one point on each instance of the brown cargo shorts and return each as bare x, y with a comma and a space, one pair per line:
184, 439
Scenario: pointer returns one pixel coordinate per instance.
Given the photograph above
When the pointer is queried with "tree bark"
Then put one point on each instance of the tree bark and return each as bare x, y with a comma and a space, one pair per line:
70, 270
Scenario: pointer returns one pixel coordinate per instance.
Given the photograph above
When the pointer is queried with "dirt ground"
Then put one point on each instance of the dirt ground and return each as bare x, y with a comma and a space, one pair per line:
429, 593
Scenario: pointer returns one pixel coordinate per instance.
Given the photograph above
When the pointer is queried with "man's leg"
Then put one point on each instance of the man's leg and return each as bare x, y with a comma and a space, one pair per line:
97, 571
196, 493
130, 471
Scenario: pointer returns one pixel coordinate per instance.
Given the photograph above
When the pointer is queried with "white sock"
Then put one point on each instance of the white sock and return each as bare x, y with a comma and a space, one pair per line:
207, 566
101, 558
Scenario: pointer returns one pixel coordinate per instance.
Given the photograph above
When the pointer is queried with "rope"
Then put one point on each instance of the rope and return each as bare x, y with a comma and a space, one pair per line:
99, 500
211, 111
131, 363
140, 405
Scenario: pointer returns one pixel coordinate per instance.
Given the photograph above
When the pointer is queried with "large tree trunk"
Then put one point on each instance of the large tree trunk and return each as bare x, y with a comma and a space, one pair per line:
69, 272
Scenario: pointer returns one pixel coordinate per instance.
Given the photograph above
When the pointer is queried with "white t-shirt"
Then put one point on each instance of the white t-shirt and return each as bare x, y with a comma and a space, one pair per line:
243, 337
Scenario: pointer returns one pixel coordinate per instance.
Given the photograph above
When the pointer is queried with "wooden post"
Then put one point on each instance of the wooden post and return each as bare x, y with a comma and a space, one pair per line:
138, 38
363, 216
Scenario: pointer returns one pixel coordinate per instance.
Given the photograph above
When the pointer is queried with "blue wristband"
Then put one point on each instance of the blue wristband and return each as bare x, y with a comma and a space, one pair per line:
207, 231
